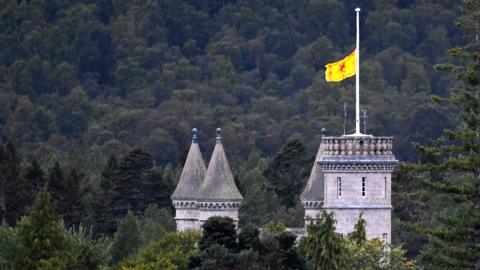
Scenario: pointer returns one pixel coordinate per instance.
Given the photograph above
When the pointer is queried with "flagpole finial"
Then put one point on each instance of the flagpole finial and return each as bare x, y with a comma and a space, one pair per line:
357, 9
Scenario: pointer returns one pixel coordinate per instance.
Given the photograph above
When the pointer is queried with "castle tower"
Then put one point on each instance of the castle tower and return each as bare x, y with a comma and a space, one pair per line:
218, 194
356, 179
185, 195
312, 197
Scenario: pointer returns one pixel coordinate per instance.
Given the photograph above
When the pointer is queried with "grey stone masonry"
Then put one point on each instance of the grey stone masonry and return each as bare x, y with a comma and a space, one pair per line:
218, 195
184, 197
357, 179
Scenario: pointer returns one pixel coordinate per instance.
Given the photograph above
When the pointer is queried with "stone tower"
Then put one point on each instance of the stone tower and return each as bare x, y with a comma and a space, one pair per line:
184, 197
354, 175
218, 194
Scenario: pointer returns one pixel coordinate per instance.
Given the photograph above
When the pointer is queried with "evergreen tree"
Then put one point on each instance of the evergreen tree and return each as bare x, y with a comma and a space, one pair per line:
66, 189
34, 178
127, 191
323, 246
220, 231
127, 239
451, 163
288, 170
359, 235
41, 241
10, 206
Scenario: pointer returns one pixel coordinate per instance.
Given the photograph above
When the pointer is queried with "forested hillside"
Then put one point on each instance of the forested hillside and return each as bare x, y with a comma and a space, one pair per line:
98, 99
107, 76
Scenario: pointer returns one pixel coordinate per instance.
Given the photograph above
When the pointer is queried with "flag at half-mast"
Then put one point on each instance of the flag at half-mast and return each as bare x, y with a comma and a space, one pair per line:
342, 69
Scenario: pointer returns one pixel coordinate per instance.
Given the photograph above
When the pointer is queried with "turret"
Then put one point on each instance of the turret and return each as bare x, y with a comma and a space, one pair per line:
184, 197
356, 174
218, 194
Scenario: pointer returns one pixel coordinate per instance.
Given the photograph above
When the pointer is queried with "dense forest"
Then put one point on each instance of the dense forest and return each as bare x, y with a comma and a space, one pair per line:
98, 99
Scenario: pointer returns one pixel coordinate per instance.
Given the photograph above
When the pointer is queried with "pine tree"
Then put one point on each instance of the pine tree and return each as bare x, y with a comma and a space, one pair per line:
66, 189
287, 172
41, 240
127, 192
359, 235
10, 206
34, 178
127, 239
452, 163
323, 245
220, 231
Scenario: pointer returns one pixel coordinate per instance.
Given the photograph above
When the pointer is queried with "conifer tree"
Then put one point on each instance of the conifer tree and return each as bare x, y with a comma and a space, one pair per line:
323, 245
127, 239
287, 172
41, 240
452, 162
359, 235
10, 206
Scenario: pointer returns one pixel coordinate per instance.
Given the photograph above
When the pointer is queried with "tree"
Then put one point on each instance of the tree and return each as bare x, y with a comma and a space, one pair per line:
451, 163
324, 246
220, 231
66, 189
359, 235
127, 239
373, 254
10, 208
40, 236
287, 172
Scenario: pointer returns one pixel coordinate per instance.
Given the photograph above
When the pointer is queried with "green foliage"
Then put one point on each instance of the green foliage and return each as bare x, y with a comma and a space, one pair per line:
126, 240
450, 164
373, 254
323, 246
359, 235
171, 252
220, 231
40, 236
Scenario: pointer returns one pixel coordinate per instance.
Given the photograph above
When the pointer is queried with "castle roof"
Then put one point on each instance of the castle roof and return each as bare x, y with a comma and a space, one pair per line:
219, 184
192, 175
314, 189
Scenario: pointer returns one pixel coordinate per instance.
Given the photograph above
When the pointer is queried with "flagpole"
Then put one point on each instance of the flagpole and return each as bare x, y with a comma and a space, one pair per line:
357, 77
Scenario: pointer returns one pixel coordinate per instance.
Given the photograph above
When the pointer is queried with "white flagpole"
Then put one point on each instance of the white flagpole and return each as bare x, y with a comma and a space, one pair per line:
357, 77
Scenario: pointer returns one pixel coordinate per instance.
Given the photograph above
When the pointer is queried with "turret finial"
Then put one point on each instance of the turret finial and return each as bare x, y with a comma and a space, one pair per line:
194, 135
219, 136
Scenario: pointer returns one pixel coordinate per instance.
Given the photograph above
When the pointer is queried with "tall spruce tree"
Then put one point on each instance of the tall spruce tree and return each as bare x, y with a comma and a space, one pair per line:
452, 162
66, 190
41, 239
288, 171
10, 205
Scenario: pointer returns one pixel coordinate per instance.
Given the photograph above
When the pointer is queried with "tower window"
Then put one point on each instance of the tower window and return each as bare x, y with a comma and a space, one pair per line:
364, 182
385, 191
384, 237
339, 187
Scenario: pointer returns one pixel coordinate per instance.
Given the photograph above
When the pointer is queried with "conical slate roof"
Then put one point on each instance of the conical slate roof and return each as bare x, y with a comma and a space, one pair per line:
192, 175
314, 189
219, 184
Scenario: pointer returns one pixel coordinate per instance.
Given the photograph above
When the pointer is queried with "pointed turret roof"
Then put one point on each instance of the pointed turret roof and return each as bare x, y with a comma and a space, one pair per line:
314, 189
193, 173
219, 184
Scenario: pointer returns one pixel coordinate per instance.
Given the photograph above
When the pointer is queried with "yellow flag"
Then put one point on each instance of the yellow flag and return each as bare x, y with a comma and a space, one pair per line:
340, 70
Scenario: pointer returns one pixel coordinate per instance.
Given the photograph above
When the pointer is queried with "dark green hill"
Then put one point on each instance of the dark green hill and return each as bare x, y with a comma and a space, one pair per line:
107, 76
